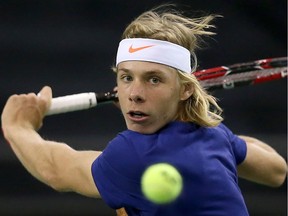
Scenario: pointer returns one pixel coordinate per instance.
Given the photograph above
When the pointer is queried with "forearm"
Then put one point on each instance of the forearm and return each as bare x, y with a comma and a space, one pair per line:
258, 142
262, 163
55, 164
32, 151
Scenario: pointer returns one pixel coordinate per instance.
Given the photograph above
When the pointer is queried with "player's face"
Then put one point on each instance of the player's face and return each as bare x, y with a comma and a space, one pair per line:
149, 95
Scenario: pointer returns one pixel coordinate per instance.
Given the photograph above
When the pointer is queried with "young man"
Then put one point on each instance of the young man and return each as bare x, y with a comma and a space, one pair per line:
169, 118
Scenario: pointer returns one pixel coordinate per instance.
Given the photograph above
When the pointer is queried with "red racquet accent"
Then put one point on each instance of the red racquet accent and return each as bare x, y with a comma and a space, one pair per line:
249, 73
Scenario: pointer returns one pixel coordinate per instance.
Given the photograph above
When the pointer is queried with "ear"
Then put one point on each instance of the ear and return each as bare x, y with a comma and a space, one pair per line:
186, 91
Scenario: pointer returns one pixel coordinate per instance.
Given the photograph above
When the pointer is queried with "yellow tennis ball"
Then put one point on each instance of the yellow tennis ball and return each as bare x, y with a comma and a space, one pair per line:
161, 183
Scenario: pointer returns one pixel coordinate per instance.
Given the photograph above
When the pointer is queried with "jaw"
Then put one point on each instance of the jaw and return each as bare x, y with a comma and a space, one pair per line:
143, 129
148, 126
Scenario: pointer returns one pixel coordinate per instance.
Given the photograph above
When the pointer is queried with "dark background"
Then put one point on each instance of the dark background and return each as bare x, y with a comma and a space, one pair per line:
71, 45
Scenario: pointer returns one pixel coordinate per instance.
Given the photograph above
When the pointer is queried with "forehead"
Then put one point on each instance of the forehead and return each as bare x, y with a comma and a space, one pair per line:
143, 66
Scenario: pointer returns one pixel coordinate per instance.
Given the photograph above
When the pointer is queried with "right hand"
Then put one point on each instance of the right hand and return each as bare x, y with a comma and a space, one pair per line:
26, 110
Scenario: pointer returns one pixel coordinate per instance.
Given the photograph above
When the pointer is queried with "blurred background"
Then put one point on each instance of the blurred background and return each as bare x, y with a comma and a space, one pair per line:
71, 46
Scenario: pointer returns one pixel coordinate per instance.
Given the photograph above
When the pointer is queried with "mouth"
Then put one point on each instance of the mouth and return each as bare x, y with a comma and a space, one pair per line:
137, 115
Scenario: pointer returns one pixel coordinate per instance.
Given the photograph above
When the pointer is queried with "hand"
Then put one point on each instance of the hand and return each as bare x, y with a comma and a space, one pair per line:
26, 110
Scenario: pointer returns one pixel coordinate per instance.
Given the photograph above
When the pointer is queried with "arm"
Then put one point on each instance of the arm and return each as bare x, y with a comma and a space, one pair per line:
53, 163
262, 164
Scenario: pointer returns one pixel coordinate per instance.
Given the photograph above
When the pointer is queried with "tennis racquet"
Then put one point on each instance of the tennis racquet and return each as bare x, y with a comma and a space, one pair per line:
222, 77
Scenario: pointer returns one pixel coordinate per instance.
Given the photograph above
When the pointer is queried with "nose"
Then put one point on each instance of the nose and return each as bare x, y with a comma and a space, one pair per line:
137, 92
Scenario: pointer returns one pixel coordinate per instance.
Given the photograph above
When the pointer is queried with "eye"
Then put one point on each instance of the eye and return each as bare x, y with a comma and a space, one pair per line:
126, 78
154, 80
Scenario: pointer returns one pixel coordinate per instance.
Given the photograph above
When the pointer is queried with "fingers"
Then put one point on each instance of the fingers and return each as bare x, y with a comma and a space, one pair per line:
45, 94
27, 110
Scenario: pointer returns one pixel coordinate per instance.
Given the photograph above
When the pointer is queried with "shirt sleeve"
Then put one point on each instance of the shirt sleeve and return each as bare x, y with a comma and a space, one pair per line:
239, 146
114, 173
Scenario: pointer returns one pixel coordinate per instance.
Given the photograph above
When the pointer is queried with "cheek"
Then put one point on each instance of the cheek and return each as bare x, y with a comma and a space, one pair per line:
169, 101
175, 94
121, 101
122, 92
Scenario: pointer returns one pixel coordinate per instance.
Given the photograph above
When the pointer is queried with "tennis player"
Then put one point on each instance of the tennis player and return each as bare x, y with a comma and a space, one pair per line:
169, 118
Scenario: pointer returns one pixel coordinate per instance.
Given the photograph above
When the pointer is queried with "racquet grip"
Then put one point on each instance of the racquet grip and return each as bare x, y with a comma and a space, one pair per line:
72, 103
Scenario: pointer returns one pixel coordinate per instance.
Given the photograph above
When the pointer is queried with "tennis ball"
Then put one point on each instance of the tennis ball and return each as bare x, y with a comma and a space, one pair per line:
161, 183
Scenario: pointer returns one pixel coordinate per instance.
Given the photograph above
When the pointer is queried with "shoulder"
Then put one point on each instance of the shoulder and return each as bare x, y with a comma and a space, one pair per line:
120, 145
119, 158
222, 131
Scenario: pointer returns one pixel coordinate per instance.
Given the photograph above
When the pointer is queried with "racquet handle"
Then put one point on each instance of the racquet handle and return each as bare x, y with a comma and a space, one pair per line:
81, 101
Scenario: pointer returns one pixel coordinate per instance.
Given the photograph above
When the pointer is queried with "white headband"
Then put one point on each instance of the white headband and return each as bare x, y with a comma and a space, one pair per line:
158, 51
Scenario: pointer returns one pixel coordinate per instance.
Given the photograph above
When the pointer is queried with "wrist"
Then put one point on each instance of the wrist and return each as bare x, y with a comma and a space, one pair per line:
14, 133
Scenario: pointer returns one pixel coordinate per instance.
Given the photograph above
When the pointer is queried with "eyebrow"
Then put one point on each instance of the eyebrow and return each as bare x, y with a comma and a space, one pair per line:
148, 72
123, 69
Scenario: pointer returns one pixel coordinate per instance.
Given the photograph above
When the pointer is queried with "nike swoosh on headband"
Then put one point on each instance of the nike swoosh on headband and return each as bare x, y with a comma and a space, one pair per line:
162, 52
132, 50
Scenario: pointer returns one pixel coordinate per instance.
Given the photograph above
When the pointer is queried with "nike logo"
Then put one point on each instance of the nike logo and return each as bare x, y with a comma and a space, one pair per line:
132, 50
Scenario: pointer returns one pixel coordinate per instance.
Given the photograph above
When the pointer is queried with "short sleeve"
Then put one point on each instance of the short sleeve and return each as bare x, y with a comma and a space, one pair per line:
239, 146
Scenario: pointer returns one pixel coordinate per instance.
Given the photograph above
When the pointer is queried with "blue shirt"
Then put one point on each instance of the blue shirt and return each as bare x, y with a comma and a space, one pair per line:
206, 157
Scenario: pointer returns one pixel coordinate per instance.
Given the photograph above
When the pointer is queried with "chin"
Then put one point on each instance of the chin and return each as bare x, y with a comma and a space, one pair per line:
144, 129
